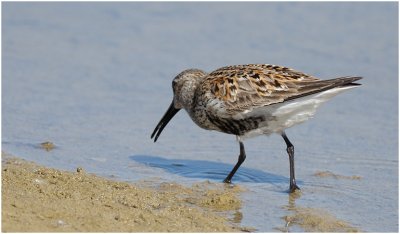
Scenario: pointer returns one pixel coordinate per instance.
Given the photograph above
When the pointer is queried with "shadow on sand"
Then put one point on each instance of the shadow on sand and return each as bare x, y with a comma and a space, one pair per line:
202, 169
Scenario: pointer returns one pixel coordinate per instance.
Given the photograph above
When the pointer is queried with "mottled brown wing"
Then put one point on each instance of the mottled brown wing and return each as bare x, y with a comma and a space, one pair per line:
244, 87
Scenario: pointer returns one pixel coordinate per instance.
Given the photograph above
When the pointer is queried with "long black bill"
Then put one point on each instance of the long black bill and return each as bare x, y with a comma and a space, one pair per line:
164, 121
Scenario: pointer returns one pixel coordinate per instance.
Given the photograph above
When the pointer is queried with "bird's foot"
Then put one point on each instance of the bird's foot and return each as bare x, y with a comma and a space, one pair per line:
293, 188
227, 181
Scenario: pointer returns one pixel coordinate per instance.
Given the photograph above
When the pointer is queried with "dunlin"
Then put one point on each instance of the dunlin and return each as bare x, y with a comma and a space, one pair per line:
251, 100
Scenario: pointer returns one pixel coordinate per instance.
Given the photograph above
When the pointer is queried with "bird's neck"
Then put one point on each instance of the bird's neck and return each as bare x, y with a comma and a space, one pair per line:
187, 94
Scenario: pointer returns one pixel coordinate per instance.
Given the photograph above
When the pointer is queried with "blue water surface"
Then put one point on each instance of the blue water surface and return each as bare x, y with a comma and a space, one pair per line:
95, 78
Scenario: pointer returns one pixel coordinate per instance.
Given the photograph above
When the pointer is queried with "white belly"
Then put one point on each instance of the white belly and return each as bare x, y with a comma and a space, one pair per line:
284, 115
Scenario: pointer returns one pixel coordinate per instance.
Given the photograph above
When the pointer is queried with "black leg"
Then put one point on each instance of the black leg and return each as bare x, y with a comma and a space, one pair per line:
290, 151
242, 157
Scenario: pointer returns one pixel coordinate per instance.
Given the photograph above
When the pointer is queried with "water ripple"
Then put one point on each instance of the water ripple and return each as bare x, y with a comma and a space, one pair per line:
208, 169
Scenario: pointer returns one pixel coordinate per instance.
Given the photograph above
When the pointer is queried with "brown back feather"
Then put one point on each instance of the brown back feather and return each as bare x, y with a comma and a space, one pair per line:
255, 85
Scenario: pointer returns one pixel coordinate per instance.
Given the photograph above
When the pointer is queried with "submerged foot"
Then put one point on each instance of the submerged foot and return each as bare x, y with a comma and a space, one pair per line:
293, 188
227, 181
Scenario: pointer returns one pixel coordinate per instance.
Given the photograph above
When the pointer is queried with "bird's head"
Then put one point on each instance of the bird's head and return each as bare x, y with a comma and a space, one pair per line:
183, 86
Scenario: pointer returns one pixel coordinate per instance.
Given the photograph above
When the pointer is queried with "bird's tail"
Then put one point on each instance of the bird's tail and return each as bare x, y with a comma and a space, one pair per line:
319, 86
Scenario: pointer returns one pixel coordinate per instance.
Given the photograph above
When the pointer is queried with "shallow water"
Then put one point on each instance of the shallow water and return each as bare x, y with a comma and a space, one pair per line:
95, 78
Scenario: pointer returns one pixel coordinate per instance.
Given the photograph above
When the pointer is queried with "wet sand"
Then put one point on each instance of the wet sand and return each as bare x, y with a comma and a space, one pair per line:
327, 174
40, 199
310, 219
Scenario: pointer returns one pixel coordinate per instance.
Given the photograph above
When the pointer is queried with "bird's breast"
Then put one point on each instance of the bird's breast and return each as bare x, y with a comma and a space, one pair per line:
211, 114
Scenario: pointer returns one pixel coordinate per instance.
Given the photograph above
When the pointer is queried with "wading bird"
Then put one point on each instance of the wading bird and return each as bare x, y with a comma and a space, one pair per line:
251, 100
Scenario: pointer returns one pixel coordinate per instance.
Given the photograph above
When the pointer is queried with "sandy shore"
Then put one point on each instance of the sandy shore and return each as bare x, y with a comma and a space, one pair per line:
40, 199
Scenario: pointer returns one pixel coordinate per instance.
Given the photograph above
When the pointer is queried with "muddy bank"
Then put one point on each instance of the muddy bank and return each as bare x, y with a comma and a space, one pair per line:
40, 199
328, 174
315, 220
309, 219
